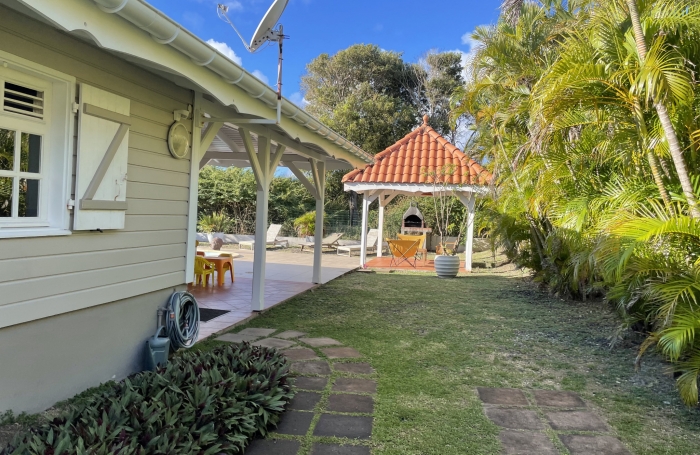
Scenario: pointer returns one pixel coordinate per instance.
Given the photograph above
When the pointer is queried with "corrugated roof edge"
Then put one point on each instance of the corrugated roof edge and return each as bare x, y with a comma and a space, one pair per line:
168, 32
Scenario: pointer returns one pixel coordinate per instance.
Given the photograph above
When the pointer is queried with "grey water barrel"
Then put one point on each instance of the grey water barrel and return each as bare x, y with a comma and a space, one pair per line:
157, 349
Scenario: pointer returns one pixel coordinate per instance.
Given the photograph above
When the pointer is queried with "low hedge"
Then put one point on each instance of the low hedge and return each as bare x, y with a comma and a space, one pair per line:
202, 403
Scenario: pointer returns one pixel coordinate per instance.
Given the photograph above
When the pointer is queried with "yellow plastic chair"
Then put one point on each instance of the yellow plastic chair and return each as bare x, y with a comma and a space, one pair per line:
422, 250
403, 251
202, 270
228, 265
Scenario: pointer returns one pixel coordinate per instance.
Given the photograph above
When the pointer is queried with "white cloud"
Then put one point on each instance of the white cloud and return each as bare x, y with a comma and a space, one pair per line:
259, 74
235, 5
468, 56
298, 99
468, 40
226, 50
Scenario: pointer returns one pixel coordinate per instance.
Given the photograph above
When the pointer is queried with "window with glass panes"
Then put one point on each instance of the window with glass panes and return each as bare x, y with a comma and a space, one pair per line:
23, 132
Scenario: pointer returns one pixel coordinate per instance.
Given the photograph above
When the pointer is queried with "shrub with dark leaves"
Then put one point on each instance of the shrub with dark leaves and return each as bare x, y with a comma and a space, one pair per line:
202, 403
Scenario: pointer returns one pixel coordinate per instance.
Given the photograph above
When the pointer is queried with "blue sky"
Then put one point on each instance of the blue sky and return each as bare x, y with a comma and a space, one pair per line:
327, 26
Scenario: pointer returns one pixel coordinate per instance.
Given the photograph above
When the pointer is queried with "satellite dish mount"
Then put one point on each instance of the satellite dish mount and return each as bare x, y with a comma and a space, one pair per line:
265, 33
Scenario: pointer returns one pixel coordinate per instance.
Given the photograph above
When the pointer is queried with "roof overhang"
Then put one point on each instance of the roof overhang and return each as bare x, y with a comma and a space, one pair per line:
412, 189
142, 35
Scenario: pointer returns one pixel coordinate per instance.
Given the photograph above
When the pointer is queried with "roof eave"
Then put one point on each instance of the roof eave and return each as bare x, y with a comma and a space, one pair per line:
198, 62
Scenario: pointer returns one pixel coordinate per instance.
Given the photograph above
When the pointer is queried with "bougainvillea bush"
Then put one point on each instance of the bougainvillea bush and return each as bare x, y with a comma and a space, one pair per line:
202, 403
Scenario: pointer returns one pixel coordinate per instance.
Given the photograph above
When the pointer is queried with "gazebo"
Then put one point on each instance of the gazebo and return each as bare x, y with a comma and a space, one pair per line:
405, 168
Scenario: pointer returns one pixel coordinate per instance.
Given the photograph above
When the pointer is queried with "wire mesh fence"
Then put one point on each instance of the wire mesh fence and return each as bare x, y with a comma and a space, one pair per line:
341, 221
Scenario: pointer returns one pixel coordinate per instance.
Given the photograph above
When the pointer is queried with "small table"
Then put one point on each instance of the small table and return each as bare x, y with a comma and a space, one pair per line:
219, 262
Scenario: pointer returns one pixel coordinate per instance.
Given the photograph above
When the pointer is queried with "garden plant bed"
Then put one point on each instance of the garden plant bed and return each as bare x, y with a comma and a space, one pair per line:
203, 402
434, 342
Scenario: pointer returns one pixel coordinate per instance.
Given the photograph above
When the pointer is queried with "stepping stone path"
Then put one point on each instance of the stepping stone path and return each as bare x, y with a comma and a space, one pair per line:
332, 411
543, 422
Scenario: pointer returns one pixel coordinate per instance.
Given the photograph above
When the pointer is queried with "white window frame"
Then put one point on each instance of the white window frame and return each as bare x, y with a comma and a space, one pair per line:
56, 129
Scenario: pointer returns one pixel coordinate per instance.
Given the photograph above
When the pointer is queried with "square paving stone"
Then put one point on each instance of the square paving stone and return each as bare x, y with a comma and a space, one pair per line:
355, 385
320, 368
274, 343
341, 353
290, 334
340, 426
305, 401
558, 399
357, 368
300, 354
576, 421
318, 342
310, 383
593, 445
295, 423
257, 332
515, 419
509, 397
273, 446
332, 449
351, 403
526, 443
236, 338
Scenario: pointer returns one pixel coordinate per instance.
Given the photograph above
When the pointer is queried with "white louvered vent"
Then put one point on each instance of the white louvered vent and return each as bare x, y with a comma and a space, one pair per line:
22, 100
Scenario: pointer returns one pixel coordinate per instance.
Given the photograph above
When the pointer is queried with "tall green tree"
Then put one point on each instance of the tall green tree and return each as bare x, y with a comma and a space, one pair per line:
436, 78
364, 93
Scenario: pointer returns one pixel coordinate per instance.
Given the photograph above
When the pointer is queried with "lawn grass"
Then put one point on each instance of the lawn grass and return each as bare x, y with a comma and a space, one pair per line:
434, 341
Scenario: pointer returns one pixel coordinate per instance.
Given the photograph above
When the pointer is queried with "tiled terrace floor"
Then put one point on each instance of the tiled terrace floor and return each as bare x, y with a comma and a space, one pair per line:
287, 274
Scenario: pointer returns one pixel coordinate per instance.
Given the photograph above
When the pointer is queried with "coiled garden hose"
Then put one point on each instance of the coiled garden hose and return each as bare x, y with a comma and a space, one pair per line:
182, 320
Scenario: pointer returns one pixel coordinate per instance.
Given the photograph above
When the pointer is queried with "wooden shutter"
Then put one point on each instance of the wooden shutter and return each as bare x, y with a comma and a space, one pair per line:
103, 148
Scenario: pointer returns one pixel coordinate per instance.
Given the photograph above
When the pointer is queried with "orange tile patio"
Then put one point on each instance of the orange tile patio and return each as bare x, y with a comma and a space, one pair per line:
385, 263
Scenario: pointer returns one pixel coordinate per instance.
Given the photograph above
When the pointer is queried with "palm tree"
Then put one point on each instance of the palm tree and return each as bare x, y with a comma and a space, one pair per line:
681, 8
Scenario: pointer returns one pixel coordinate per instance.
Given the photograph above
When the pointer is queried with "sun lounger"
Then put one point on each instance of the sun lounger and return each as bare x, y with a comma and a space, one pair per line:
272, 233
329, 242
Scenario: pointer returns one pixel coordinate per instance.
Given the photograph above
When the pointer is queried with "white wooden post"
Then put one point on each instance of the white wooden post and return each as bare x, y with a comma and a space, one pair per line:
366, 201
320, 182
380, 227
260, 163
194, 188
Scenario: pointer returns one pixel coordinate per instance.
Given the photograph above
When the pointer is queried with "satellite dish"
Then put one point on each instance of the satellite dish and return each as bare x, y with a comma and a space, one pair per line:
265, 31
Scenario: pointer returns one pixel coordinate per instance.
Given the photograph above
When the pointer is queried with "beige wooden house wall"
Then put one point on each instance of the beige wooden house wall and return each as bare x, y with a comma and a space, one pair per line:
73, 279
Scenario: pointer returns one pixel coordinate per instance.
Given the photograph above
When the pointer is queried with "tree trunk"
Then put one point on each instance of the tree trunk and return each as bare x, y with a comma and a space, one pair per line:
654, 165
673, 144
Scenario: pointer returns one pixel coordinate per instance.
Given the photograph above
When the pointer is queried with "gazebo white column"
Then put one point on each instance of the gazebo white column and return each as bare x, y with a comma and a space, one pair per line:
263, 166
383, 202
469, 202
367, 200
380, 227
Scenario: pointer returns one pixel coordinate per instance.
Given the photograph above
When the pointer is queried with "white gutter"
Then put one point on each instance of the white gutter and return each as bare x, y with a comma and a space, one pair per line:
169, 33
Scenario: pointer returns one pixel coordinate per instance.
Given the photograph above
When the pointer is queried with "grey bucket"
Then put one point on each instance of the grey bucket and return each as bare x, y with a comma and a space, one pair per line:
157, 349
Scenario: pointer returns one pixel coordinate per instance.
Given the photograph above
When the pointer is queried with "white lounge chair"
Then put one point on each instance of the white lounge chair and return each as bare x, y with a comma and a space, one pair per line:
372, 238
329, 242
272, 233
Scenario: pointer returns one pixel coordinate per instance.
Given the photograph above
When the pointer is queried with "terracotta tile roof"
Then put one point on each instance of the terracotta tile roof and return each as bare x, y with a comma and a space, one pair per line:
420, 152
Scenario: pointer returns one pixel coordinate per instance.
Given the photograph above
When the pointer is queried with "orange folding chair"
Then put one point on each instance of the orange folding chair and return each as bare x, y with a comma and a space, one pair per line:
403, 251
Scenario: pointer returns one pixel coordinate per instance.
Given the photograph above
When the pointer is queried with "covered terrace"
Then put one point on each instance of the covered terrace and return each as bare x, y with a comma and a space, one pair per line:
230, 138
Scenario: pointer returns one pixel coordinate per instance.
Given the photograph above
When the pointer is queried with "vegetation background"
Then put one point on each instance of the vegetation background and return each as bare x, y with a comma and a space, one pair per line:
586, 112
